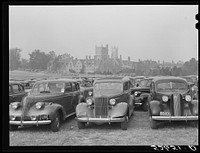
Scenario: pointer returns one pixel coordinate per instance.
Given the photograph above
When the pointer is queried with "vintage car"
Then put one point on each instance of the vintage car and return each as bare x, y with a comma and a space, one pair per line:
49, 102
16, 91
189, 80
135, 80
141, 93
170, 100
111, 101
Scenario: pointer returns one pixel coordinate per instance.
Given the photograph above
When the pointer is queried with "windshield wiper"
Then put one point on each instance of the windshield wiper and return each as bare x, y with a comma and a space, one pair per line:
44, 91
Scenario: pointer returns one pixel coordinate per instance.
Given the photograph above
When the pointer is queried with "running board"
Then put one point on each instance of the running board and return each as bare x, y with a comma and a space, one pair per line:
70, 114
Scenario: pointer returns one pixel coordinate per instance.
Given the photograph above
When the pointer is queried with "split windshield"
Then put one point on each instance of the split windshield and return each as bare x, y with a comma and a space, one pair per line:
47, 87
107, 88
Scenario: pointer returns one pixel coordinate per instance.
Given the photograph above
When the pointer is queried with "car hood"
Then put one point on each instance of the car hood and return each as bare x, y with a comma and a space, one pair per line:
182, 92
29, 101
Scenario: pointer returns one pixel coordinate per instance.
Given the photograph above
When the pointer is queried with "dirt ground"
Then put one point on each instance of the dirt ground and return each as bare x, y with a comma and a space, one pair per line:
138, 133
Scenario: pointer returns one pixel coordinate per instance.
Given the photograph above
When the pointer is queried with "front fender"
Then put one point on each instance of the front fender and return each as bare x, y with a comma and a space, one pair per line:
144, 95
49, 109
194, 107
155, 108
118, 110
83, 110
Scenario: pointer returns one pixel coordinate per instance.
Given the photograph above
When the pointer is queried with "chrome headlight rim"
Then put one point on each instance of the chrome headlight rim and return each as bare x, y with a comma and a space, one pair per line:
89, 101
112, 102
165, 98
188, 98
90, 93
39, 105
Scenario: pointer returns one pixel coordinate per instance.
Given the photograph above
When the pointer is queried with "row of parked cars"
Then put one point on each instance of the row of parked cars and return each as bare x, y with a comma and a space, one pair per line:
110, 99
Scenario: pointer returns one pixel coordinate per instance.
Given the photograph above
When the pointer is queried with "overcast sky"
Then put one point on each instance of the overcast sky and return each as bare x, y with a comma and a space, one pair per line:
160, 32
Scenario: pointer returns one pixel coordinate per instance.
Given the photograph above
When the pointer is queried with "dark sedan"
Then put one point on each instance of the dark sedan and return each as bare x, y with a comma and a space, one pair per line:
49, 102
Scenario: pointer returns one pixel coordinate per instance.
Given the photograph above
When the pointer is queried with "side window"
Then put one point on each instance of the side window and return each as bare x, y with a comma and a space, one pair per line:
15, 88
73, 86
10, 89
21, 89
68, 87
126, 86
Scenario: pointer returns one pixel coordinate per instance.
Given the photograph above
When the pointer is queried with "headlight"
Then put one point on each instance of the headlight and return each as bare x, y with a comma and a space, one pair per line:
164, 98
39, 105
112, 101
136, 93
33, 118
12, 118
90, 93
89, 101
15, 105
188, 98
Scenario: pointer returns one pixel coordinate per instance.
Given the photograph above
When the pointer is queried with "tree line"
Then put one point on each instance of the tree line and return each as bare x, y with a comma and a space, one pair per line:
39, 60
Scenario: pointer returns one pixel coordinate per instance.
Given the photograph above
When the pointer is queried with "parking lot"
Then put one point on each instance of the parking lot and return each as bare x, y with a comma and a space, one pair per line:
138, 133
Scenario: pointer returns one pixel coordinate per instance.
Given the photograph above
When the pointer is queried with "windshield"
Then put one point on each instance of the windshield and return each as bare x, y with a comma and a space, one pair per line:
145, 83
171, 85
107, 88
47, 87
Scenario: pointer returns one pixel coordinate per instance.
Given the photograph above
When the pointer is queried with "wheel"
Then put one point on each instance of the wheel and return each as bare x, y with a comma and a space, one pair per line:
55, 125
145, 105
13, 127
124, 124
153, 123
81, 125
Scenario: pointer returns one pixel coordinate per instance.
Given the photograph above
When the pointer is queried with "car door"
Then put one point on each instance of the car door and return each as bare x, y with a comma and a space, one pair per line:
76, 94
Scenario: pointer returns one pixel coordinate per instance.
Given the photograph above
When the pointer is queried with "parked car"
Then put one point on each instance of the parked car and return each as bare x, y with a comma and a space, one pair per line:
16, 91
49, 102
170, 100
111, 101
135, 80
142, 92
189, 80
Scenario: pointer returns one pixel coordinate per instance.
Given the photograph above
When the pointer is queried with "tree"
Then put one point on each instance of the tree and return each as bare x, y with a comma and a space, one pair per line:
14, 58
190, 67
24, 63
39, 60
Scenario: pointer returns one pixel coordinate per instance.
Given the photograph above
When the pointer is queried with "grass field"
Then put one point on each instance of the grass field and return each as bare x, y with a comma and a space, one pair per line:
138, 132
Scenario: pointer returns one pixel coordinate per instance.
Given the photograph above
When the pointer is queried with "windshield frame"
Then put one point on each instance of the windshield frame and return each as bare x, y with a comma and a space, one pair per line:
46, 88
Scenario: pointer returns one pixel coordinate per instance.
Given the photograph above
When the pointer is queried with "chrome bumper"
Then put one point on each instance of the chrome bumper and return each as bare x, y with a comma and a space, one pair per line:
101, 120
175, 118
30, 122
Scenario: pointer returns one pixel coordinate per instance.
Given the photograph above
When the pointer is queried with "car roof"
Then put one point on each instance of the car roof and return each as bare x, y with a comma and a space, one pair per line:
111, 79
14, 82
168, 78
57, 80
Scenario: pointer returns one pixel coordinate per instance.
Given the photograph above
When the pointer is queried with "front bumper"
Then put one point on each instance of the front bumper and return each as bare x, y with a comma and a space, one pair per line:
174, 118
100, 120
22, 123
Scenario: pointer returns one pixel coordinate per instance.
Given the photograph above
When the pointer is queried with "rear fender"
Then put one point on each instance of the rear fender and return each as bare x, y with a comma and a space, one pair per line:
154, 106
83, 110
118, 110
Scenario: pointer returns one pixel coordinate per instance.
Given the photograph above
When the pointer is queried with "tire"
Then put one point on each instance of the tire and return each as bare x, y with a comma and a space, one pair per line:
124, 124
145, 105
81, 125
55, 125
13, 127
153, 123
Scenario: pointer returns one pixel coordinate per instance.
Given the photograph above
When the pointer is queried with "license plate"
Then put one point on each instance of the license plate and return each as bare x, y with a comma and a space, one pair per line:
165, 113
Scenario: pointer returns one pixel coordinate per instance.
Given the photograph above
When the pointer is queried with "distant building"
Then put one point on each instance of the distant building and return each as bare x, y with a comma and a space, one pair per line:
114, 52
101, 53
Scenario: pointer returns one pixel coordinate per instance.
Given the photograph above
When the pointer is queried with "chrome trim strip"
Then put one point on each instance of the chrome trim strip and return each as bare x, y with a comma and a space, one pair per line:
174, 118
87, 119
30, 122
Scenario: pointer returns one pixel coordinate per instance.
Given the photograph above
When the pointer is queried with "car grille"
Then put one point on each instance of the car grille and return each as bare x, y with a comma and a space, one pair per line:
176, 98
101, 107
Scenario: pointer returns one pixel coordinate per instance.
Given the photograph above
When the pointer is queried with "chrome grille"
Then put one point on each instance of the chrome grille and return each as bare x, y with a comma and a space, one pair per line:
177, 104
101, 107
